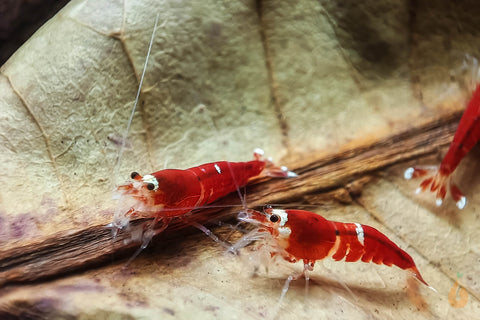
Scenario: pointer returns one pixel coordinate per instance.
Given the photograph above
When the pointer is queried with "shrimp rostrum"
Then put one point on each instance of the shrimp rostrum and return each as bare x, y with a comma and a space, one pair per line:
302, 235
172, 193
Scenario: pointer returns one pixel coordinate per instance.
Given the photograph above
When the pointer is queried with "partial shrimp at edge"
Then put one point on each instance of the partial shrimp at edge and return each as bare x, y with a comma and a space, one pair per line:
173, 193
466, 137
303, 235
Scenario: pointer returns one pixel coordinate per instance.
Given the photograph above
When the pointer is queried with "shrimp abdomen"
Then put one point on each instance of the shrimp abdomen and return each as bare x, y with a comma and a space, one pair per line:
365, 243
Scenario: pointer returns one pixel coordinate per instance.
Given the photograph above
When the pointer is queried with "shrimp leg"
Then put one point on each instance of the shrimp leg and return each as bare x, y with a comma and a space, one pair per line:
465, 138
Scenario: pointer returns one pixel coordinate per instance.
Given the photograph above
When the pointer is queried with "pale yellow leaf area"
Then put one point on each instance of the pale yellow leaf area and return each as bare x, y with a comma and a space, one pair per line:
295, 78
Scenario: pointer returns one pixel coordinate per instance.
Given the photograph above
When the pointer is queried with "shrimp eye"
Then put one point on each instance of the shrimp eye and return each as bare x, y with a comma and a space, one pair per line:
150, 186
274, 218
134, 174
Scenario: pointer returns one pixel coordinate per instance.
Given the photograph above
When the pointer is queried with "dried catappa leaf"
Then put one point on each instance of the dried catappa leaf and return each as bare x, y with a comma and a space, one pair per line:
339, 91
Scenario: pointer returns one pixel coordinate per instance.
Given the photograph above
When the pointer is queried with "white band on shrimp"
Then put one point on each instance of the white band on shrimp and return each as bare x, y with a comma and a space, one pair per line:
148, 178
360, 233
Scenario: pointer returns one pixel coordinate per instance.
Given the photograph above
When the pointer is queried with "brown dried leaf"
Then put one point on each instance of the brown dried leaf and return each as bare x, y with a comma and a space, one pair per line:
341, 90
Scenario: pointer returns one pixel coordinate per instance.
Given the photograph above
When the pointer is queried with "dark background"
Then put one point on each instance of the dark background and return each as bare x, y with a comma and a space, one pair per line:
19, 19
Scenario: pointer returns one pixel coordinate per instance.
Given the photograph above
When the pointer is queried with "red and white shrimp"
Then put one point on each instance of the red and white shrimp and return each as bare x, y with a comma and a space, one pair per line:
466, 136
171, 193
296, 235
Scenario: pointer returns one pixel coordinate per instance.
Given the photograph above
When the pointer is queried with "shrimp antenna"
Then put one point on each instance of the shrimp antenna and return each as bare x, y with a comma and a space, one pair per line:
124, 138
114, 225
